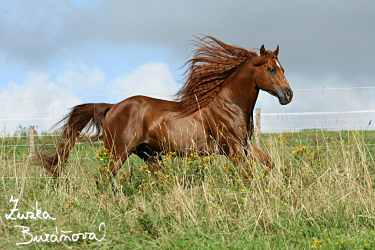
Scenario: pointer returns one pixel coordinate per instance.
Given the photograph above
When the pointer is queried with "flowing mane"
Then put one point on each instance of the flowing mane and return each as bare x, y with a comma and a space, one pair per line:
213, 61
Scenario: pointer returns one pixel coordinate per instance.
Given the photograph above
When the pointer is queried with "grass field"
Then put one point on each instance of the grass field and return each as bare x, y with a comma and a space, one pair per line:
323, 197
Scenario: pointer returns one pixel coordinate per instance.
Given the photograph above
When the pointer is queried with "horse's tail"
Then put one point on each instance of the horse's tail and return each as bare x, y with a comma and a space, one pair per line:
82, 116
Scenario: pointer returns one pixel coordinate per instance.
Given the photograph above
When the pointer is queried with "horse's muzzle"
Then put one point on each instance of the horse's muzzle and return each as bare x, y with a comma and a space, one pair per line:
285, 95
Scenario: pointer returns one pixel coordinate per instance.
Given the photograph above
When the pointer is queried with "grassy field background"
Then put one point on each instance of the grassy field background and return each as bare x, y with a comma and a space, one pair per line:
323, 197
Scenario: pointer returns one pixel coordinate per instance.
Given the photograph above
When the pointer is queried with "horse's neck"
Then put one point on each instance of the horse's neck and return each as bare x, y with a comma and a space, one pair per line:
240, 89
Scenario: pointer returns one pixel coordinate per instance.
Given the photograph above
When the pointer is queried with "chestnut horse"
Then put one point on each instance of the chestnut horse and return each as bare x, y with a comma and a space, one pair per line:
213, 110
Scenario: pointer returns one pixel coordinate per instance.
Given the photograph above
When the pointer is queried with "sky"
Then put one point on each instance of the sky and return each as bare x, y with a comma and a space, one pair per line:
57, 54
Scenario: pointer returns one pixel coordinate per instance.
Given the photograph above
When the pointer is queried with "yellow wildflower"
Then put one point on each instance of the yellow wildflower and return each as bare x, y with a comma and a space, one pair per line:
300, 150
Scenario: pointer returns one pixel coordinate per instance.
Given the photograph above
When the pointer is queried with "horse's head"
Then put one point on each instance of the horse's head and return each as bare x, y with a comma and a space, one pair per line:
269, 75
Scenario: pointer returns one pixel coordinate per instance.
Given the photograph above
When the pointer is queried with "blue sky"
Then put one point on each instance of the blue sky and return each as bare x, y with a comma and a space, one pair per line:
79, 48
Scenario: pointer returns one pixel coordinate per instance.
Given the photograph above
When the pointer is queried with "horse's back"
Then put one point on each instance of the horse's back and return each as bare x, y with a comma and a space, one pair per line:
136, 114
139, 104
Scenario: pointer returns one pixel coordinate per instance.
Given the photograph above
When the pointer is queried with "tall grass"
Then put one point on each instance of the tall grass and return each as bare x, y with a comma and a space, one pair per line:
322, 197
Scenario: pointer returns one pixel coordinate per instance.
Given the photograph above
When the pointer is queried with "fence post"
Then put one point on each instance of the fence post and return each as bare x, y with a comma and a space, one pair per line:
32, 142
257, 127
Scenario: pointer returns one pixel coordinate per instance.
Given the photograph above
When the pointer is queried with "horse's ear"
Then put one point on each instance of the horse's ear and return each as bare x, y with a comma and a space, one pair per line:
262, 50
276, 52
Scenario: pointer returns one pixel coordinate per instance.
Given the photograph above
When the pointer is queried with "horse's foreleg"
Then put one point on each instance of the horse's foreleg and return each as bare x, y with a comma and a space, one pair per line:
236, 153
233, 149
148, 154
257, 155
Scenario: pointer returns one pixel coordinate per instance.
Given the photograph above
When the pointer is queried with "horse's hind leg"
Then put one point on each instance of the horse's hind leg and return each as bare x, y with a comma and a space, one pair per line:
121, 153
120, 150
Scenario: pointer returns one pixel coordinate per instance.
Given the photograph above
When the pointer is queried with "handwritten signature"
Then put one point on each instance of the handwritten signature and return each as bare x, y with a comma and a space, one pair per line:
58, 237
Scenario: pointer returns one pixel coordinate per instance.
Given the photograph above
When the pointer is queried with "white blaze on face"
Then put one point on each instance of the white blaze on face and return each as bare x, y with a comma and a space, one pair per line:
278, 64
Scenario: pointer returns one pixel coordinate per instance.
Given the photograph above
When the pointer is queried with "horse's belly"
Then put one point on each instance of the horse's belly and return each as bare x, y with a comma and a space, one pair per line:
184, 140
191, 143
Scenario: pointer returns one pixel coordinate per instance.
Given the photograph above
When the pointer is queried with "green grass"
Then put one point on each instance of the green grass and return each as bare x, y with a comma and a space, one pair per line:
323, 197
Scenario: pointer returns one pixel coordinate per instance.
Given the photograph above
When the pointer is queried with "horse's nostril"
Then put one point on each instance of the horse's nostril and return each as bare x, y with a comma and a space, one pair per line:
288, 94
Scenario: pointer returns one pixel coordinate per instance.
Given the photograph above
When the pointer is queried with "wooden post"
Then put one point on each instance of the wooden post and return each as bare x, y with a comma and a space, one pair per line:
257, 127
32, 142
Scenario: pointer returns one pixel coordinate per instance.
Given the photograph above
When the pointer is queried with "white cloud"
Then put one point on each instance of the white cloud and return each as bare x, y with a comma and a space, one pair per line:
81, 79
18, 103
151, 79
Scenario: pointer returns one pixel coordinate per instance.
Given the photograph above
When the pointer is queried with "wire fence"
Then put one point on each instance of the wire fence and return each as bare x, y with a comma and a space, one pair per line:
271, 120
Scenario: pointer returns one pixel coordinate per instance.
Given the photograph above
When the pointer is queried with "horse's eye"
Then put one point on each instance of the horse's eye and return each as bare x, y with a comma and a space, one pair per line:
271, 70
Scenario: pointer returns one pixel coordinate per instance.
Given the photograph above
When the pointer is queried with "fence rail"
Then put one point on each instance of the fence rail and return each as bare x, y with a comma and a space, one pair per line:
321, 113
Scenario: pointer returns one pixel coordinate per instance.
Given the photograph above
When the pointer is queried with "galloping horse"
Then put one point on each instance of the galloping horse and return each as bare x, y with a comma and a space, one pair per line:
213, 110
